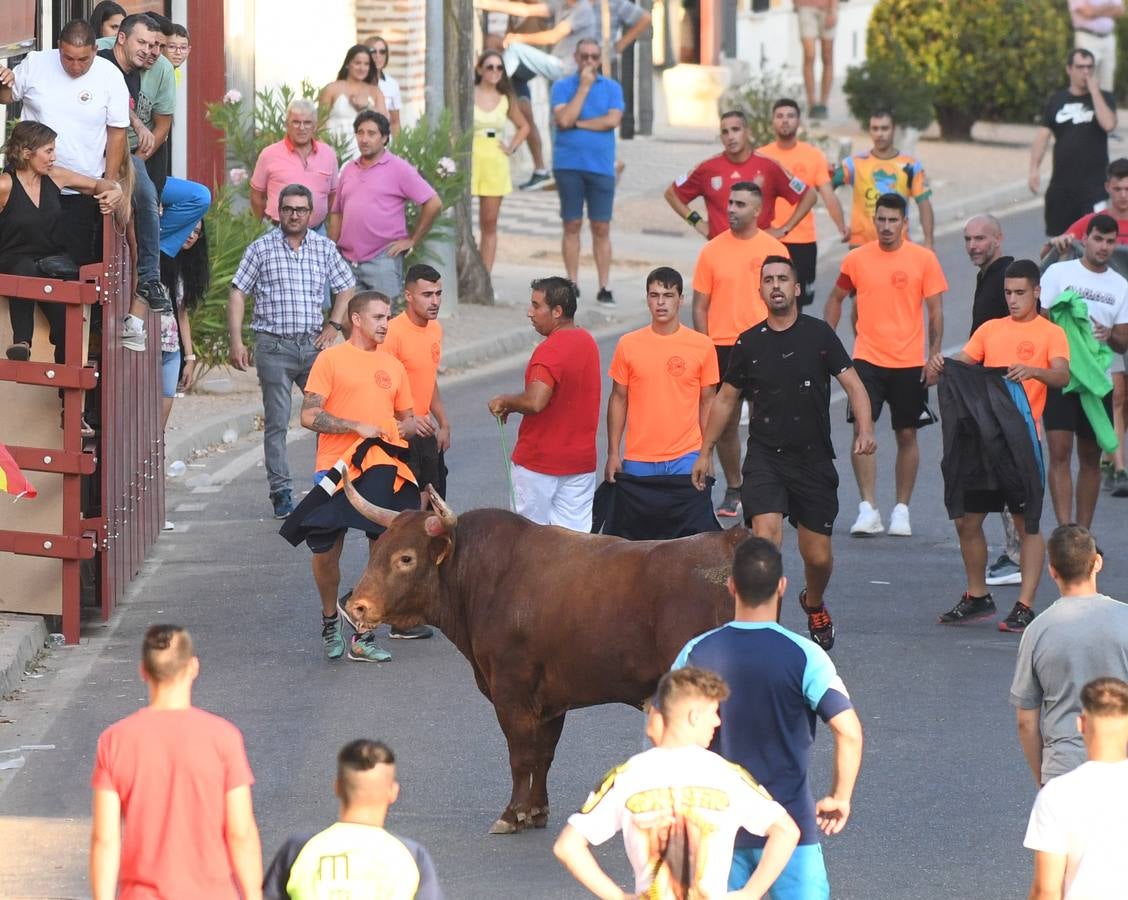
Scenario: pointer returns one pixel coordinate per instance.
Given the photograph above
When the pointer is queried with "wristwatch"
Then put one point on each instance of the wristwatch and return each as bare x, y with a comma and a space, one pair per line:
331, 324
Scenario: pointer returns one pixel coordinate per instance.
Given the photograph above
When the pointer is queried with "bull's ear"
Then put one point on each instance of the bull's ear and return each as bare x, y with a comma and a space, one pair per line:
434, 526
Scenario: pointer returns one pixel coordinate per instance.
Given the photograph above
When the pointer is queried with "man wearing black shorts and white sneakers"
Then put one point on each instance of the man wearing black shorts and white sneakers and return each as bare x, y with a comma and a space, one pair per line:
782, 366
895, 281
1106, 295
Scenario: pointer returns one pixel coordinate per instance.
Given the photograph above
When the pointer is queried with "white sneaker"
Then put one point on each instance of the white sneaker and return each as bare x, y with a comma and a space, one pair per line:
899, 521
133, 334
168, 526
868, 521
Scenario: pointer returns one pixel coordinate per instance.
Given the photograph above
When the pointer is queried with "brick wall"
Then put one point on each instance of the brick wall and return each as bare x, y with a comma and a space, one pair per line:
401, 23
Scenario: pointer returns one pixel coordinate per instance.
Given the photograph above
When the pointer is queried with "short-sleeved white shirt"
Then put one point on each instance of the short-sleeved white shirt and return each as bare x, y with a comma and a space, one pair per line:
390, 88
1105, 293
679, 809
78, 109
1080, 815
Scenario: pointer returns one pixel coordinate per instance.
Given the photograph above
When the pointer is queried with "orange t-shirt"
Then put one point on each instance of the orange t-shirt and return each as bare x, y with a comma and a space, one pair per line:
728, 270
172, 770
363, 385
419, 349
663, 375
1005, 342
891, 286
807, 162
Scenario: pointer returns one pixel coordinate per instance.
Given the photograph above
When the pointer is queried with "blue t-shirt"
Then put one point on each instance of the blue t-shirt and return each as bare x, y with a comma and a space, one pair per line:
578, 148
779, 682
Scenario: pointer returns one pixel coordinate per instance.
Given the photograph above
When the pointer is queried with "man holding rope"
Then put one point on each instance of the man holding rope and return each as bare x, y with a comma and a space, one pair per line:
553, 474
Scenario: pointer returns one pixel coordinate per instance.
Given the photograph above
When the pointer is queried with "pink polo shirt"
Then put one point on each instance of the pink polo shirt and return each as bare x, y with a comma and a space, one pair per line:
371, 201
279, 165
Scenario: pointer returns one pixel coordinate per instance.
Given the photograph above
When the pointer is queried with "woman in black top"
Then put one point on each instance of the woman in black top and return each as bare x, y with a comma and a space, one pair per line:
31, 223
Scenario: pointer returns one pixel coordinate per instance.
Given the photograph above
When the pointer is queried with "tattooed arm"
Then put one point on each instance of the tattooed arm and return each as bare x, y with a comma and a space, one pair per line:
315, 418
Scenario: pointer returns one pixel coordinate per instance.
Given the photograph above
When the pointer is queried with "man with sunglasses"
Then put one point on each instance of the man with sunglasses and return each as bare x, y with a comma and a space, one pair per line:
286, 270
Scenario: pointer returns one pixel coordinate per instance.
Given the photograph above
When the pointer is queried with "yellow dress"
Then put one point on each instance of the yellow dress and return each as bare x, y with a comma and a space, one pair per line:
489, 166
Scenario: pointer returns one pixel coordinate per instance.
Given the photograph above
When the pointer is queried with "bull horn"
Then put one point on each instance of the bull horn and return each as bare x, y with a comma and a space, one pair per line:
370, 511
446, 514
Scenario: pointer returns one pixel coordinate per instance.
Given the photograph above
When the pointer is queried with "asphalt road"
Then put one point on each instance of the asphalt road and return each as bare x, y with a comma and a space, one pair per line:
939, 812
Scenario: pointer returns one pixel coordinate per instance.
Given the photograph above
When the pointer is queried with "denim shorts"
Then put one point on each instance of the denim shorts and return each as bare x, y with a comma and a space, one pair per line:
170, 372
577, 188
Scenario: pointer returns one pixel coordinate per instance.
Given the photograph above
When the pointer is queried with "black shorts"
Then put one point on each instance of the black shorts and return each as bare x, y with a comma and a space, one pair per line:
521, 87
805, 257
1066, 203
995, 501
1063, 412
799, 484
427, 463
902, 389
724, 354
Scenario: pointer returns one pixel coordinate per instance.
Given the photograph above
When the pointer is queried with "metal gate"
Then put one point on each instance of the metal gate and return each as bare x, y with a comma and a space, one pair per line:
112, 497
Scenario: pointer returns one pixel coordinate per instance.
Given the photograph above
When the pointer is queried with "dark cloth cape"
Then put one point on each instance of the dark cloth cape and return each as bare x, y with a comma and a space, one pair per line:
653, 508
990, 443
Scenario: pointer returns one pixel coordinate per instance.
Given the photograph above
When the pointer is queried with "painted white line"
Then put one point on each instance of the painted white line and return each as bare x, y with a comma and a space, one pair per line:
208, 489
190, 507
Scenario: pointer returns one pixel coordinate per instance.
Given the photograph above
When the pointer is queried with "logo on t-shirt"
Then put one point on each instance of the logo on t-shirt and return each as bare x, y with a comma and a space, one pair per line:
436, 352
1026, 350
899, 280
675, 365
716, 182
1077, 113
85, 96
383, 380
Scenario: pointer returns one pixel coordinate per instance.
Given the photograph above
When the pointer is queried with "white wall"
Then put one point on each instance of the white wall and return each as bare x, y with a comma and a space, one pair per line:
771, 38
296, 40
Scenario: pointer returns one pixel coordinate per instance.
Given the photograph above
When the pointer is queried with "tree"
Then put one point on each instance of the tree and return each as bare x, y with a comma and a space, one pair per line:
474, 283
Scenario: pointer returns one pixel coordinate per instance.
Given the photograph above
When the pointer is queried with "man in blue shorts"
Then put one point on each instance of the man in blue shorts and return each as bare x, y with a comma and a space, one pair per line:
587, 108
780, 682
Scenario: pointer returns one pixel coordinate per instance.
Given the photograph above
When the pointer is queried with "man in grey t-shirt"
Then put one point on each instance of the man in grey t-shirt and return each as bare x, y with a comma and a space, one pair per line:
1082, 636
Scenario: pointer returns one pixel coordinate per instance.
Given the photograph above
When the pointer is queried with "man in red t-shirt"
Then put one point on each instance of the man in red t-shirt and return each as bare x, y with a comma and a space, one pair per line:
554, 460
714, 178
172, 792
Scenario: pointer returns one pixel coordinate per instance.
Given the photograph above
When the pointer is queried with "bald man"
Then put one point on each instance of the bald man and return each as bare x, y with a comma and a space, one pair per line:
983, 241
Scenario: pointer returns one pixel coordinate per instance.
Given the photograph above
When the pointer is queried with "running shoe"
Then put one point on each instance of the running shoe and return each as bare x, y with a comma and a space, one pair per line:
331, 637
730, 506
818, 111
819, 624
868, 521
283, 503
605, 297
899, 521
1021, 616
538, 181
344, 613
1120, 484
1004, 570
415, 633
133, 334
156, 295
969, 609
1108, 474
363, 648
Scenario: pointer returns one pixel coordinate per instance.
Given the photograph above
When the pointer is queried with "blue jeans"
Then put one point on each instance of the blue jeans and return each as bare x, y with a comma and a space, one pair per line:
183, 205
170, 372
148, 224
382, 273
281, 362
803, 878
683, 465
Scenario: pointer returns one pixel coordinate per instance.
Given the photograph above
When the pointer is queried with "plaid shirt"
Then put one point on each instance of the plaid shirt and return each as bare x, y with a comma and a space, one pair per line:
288, 285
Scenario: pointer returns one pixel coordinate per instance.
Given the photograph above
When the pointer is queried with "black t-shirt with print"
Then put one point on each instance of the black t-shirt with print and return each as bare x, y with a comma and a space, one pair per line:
785, 376
1080, 144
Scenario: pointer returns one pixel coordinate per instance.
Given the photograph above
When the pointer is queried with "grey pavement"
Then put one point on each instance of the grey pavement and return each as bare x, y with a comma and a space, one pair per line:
944, 793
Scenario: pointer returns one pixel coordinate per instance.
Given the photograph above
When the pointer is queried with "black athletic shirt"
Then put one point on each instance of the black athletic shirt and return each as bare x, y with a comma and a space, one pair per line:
132, 79
1080, 144
990, 301
785, 376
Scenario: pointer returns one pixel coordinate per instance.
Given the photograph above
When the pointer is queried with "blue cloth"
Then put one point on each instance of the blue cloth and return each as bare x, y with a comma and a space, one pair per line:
147, 224
183, 204
1023, 403
170, 372
803, 878
578, 148
683, 465
779, 682
575, 188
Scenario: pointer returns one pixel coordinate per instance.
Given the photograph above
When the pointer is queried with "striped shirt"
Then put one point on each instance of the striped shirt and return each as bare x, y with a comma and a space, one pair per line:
289, 285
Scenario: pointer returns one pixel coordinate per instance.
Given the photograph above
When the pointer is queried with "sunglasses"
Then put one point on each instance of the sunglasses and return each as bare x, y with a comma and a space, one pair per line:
492, 68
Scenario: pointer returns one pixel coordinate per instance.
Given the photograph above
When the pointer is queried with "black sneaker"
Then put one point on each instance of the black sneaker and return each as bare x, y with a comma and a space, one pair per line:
1120, 484
538, 181
1108, 474
156, 295
1021, 616
283, 503
415, 633
969, 609
819, 624
605, 297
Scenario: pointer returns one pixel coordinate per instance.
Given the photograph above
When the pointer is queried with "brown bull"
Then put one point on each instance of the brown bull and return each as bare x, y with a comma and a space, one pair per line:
550, 619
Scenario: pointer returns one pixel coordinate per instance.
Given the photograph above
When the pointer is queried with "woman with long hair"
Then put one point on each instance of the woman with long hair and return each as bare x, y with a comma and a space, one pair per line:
355, 89
187, 275
106, 18
388, 84
494, 106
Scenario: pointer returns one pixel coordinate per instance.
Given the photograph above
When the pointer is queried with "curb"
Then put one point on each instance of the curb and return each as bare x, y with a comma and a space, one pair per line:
21, 638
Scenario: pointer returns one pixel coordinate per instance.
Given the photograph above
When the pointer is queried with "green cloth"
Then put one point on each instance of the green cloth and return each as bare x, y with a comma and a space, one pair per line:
158, 91
1089, 360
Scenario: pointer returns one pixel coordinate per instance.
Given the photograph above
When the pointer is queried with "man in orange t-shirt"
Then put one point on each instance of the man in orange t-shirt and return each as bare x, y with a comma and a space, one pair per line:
1035, 352
173, 815
807, 162
895, 281
664, 376
726, 302
415, 338
357, 391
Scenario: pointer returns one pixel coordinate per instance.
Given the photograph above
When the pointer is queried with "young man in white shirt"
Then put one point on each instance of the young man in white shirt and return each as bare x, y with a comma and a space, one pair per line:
1077, 828
679, 806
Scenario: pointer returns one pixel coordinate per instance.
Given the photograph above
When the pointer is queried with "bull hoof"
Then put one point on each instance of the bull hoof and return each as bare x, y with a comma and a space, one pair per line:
539, 817
503, 827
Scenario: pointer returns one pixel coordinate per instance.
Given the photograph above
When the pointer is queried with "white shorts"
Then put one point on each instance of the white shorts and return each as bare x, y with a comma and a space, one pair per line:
563, 500
812, 24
